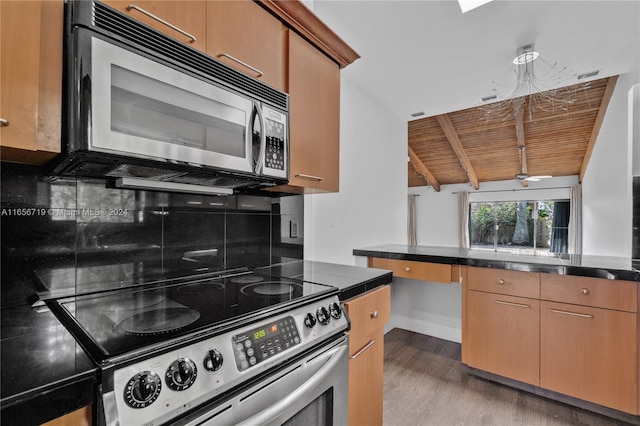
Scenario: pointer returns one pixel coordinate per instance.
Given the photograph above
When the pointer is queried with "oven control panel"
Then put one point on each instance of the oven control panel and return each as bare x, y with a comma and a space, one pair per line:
261, 343
166, 385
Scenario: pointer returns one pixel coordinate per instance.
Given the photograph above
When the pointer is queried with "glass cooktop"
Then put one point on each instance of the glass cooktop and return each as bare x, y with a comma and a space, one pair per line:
116, 322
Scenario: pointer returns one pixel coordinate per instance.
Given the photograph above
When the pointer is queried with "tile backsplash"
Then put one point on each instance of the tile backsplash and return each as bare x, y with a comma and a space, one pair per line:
81, 235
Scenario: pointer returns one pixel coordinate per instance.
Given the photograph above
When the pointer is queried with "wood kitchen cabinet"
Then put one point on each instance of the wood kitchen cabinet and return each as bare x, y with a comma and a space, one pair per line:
368, 314
81, 417
588, 344
185, 21
501, 323
247, 37
31, 80
425, 271
314, 120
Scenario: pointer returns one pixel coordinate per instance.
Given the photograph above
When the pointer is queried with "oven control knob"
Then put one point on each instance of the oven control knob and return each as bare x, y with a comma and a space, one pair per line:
181, 374
335, 310
213, 360
323, 315
142, 389
309, 320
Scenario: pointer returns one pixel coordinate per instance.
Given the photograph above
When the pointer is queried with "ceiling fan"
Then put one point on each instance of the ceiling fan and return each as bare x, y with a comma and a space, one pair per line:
523, 176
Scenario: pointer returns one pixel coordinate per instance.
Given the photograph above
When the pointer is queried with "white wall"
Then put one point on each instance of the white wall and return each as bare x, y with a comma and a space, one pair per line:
371, 207
606, 187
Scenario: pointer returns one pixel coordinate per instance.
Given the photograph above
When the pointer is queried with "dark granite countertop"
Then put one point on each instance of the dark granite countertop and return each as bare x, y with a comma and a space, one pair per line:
46, 374
614, 268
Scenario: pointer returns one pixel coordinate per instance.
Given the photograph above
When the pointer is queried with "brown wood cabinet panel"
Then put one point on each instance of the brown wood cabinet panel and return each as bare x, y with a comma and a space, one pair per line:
81, 417
590, 353
425, 271
189, 16
314, 89
515, 283
368, 314
502, 335
366, 383
597, 292
31, 80
250, 34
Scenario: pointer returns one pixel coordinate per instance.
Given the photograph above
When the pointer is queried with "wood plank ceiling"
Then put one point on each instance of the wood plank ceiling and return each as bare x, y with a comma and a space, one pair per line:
498, 142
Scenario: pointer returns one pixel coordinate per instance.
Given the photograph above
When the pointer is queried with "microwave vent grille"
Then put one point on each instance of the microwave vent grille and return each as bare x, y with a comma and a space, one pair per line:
180, 54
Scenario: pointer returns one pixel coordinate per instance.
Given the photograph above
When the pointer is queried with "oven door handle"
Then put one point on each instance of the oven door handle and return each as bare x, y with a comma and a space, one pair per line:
335, 355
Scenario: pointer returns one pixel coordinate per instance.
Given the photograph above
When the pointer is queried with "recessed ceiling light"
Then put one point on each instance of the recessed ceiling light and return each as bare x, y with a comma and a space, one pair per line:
588, 74
467, 5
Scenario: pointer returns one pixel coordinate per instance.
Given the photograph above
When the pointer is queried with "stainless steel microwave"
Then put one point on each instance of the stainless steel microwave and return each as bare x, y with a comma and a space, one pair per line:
145, 109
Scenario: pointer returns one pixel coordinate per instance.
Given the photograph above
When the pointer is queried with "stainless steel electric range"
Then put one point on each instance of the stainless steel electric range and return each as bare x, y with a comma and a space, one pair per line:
246, 347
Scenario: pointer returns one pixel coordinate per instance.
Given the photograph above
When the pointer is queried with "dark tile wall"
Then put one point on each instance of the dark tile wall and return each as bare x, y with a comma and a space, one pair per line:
80, 235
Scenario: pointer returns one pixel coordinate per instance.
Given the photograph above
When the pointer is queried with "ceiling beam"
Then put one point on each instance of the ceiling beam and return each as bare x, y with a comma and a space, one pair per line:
608, 92
521, 145
422, 169
454, 141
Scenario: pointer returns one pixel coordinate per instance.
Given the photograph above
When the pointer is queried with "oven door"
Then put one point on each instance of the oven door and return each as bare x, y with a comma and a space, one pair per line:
142, 108
311, 391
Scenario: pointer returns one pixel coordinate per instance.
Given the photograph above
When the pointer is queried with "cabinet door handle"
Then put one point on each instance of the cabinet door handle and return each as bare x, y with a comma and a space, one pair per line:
4, 122
244, 64
501, 281
162, 21
363, 350
303, 176
575, 314
374, 314
585, 291
407, 269
517, 305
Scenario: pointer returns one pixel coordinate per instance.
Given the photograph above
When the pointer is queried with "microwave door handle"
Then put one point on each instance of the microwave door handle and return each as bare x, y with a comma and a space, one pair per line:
263, 140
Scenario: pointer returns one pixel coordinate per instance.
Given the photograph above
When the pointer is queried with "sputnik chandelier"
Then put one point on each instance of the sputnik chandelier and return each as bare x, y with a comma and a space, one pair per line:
537, 85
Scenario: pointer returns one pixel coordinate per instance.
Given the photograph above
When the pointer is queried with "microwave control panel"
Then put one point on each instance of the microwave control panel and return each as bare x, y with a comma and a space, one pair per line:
276, 150
274, 155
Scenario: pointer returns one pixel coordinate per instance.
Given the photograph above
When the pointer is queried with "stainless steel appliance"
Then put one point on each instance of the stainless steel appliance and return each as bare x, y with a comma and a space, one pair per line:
151, 112
247, 348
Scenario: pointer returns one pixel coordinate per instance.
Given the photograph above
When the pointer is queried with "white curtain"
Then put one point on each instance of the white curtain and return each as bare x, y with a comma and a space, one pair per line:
575, 220
463, 214
412, 238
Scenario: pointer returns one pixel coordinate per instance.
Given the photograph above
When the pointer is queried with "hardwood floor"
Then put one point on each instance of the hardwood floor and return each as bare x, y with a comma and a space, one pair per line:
426, 384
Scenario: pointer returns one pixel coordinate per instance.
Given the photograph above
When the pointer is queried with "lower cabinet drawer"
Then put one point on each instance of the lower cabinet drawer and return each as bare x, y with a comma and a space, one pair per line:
596, 292
515, 283
425, 271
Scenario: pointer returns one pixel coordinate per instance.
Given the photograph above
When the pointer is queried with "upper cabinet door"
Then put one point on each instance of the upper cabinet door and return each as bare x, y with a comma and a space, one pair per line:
314, 89
245, 36
185, 21
31, 80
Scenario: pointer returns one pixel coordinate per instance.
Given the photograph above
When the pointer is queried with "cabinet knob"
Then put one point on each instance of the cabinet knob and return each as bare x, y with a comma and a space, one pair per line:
407, 269
585, 291
374, 314
4, 122
501, 281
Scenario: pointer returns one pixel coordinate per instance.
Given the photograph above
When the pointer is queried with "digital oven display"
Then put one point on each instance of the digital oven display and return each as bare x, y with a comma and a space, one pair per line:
263, 342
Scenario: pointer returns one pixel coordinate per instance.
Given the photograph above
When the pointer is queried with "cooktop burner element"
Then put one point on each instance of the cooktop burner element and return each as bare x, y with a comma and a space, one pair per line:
272, 289
247, 279
157, 321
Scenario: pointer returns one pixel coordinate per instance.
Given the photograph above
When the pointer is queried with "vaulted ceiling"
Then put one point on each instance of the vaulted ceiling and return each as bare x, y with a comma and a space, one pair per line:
546, 135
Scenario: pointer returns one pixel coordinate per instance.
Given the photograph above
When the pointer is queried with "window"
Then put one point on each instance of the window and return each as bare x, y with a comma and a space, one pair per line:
521, 227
